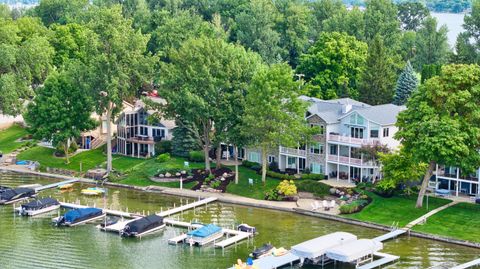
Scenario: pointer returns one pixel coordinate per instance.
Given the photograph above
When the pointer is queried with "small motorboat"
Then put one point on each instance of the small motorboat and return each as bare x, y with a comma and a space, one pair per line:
204, 235
65, 187
247, 228
93, 191
143, 226
108, 222
262, 251
10, 196
39, 206
279, 252
79, 216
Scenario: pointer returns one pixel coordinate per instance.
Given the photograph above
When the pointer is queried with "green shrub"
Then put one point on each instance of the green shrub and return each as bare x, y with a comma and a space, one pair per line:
385, 188
273, 166
164, 146
312, 176
170, 170
248, 164
317, 188
257, 167
272, 195
215, 184
353, 207
280, 175
165, 157
196, 156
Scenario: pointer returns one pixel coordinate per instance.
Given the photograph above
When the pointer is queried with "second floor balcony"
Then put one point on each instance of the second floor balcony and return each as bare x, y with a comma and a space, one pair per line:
293, 151
351, 160
352, 140
141, 139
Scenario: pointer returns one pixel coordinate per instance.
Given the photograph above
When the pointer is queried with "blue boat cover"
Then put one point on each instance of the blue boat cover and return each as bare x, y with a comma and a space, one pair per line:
73, 215
205, 231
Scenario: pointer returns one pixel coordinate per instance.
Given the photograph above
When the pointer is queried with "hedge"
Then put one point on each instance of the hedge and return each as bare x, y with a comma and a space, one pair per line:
353, 207
280, 175
249, 164
196, 156
313, 176
317, 188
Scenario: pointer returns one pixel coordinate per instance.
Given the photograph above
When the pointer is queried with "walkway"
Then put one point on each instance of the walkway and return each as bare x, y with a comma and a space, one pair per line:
341, 183
424, 218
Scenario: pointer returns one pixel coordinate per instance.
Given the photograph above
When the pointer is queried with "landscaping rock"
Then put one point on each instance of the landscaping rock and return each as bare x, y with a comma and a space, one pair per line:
178, 174
224, 176
183, 172
222, 179
161, 175
168, 174
333, 191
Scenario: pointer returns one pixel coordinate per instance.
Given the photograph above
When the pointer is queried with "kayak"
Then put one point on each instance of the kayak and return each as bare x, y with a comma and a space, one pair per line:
93, 191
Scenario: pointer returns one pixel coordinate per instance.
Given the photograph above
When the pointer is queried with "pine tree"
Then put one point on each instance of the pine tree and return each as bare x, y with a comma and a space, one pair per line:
184, 140
406, 84
378, 79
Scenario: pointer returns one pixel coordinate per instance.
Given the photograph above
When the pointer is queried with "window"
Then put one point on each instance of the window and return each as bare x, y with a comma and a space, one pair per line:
291, 162
254, 157
386, 132
144, 131
316, 148
333, 149
374, 133
356, 132
316, 168
321, 128
271, 158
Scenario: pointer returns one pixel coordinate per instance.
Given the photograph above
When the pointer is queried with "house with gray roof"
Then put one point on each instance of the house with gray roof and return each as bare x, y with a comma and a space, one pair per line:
343, 127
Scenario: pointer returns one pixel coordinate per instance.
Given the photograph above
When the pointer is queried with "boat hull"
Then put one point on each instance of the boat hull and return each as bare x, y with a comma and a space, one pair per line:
68, 224
37, 212
201, 241
4, 202
146, 232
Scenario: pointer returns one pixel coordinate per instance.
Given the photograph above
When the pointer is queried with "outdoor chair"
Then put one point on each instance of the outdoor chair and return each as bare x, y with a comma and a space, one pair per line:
332, 204
326, 205
317, 205
314, 207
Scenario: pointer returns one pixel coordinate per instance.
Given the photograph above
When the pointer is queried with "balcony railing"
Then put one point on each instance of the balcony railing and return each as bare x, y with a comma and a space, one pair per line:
346, 160
453, 175
292, 151
141, 139
353, 140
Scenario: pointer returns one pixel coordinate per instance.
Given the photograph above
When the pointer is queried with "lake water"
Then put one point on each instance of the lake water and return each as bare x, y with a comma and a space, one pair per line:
35, 243
453, 21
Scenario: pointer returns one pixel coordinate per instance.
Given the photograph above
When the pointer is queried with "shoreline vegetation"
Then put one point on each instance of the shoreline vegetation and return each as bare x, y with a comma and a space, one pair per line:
456, 222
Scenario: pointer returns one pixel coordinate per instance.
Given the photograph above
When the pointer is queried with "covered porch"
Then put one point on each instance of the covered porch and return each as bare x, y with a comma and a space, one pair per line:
292, 164
351, 173
453, 181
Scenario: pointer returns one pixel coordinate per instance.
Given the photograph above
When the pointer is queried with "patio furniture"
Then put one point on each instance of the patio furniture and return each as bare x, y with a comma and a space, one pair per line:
317, 205
333, 204
326, 206
442, 192
477, 201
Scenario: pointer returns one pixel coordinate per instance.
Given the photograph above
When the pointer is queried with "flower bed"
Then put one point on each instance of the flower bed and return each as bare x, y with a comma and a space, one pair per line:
216, 181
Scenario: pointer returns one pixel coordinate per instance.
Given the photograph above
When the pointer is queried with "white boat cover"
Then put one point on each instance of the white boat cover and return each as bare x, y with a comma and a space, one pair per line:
355, 250
317, 247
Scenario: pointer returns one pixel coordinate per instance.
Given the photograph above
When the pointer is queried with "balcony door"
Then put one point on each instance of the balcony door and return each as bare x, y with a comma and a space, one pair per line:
356, 132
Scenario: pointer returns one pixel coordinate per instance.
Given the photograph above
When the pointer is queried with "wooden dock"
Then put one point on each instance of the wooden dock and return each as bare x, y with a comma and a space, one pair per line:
186, 207
237, 237
177, 239
56, 184
390, 235
384, 259
467, 265
273, 262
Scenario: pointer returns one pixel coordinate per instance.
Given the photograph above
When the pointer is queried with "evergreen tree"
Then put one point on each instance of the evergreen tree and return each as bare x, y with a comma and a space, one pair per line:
184, 140
406, 84
378, 79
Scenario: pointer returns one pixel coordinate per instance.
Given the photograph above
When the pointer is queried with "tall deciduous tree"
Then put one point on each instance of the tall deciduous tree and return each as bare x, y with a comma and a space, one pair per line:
442, 122
334, 64
381, 19
323, 10
255, 29
407, 83
274, 115
412, 15
377, 82
464, 52
351, 22
25, 61
201, 79
120, 66
59, 11
60, 111
431, 44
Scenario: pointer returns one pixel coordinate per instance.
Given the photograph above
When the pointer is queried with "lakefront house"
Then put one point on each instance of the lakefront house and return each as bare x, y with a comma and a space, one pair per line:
342, 126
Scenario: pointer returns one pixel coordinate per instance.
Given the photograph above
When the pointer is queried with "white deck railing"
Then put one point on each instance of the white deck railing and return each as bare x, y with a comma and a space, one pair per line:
293, 151
353, 140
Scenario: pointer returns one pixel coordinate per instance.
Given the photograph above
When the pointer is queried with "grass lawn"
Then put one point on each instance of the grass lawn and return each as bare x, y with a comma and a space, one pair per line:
89, 159
460, 221
8, 137
399, 209
257, 191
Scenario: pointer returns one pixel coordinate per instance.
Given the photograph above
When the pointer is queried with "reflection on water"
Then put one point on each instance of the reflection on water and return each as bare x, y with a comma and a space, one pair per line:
35, 243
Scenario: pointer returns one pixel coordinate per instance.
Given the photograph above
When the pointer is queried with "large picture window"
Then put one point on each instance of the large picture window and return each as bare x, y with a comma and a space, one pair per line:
316, 148
254, 157
316, 168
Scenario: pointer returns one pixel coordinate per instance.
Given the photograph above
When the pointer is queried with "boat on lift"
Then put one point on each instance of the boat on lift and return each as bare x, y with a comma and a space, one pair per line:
79, 216
9, 196
263, 251
39, 206
204, 235
143, 226
247, 228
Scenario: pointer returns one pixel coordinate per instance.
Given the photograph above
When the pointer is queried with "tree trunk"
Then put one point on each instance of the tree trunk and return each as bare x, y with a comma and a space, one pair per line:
425, 181
206, 145
219, 156
66, 147
207, 158
235, 159
264, 165
109, 140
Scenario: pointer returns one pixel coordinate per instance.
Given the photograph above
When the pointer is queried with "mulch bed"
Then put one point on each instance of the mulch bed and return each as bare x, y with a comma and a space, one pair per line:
200, 175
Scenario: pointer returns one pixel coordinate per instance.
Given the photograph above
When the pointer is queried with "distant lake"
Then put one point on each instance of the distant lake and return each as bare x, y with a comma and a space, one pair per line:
453, 21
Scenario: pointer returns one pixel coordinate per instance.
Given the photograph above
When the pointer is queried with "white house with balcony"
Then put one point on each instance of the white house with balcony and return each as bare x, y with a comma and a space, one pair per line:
343, 127
455, 181
136, 137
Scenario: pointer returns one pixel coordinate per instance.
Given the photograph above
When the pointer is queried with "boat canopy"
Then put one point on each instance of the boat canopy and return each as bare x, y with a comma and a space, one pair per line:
318, 246
40, 204
144, 224
205, 231
81, 214
12, 194
355, 250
